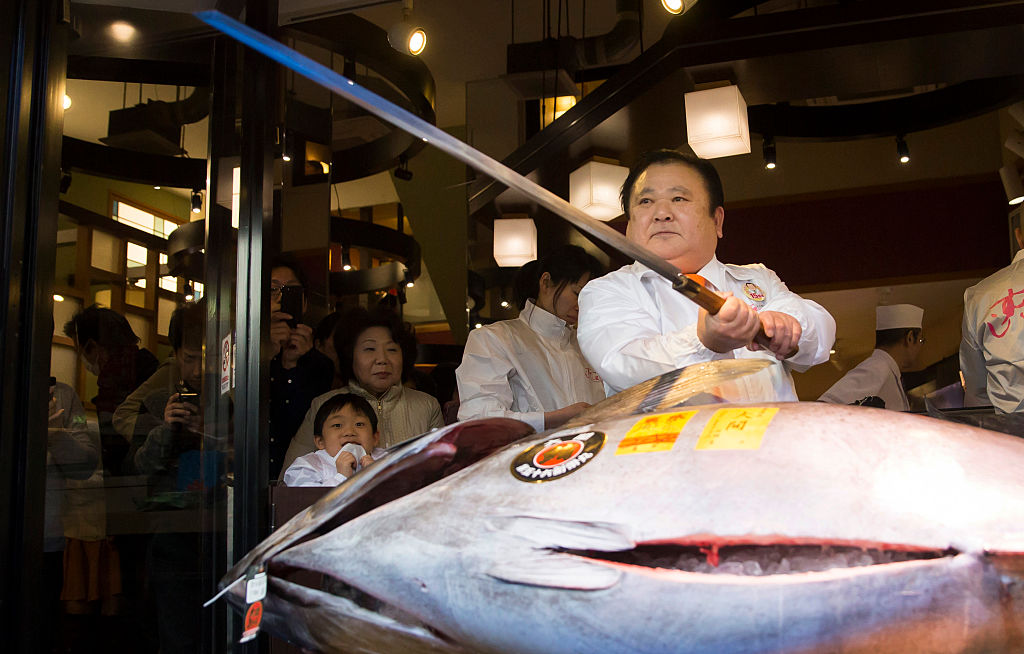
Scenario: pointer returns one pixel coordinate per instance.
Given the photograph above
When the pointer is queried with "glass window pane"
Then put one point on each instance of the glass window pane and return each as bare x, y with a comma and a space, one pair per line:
64, 363
140, 326
137, 218
197, 290
169, 284
105, 252
62, 312
137, 255
163, 315
135, 296
102, 295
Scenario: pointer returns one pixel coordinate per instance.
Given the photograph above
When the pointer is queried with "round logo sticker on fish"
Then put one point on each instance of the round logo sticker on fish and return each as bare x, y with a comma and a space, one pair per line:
557, 456
753, 291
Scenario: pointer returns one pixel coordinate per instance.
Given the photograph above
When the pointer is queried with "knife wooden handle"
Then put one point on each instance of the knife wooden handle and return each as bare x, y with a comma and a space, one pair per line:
712, 302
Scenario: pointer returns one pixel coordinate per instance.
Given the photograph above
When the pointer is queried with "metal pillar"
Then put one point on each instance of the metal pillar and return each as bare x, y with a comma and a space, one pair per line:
33, 43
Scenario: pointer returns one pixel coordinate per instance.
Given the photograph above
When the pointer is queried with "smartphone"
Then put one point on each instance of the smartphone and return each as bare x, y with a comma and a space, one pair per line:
186, 394
291, 303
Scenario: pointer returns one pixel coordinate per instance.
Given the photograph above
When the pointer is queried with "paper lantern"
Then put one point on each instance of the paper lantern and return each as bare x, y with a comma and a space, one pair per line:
594, 188
716, 122
515, 241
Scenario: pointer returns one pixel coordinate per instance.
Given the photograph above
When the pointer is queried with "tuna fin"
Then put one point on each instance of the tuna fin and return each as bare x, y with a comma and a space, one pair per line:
555, 570
555, 533
689, 385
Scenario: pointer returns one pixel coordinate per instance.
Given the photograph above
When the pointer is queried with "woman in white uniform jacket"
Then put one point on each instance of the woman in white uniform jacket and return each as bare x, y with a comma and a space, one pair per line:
531, 368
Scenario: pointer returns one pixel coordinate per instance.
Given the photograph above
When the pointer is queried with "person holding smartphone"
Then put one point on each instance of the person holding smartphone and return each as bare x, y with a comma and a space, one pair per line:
298, 372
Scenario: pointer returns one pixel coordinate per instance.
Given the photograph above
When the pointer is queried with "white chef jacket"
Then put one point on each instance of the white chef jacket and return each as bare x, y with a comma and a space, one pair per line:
992, 342
877, 375
634, 326
524, 367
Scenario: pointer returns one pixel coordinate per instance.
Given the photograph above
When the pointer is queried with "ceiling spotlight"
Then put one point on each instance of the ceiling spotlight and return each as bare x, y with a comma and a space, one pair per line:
406, 36
504, 304
1012, 184
197, 201
402, 172
346, 261
67, 101
902, 150
478, 325
677, 6
156, 188
768, 150
58, 298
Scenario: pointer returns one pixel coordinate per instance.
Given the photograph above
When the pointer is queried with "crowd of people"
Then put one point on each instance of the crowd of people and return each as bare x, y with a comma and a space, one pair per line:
344, 391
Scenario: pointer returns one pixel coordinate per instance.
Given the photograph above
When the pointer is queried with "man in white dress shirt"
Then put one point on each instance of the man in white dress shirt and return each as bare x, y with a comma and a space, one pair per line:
633, 325
877, 381
992, 344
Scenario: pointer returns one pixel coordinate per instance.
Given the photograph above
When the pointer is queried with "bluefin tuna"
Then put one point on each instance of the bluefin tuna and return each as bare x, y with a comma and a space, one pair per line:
788, 527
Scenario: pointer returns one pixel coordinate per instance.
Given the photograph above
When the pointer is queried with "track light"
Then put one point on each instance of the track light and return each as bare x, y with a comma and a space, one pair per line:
902, 151
402, 172
1012, 184
346, 261
197, 201
768, 150
677, 6
405, 36
285, 151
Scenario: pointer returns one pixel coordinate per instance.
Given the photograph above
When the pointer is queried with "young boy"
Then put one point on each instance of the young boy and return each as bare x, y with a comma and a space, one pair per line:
345, 431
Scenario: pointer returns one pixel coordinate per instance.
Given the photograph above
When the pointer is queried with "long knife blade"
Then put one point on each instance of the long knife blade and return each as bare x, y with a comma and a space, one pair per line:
465, 153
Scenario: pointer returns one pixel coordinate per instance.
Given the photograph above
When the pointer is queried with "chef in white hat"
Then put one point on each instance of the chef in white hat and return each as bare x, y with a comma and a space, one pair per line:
876, 381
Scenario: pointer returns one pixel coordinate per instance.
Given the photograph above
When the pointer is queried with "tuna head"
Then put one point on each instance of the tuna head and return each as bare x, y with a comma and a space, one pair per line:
797, 527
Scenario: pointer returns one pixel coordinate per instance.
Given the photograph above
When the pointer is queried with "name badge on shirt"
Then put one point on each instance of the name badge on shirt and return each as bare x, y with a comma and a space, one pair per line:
754, 292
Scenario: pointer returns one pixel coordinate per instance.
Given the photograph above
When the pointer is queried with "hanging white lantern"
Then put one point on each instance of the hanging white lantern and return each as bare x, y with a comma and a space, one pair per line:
515, 241
716, 122
594, 188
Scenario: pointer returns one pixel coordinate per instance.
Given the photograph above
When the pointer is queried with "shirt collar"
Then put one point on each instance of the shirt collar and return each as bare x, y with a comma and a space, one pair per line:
713, 271
544, 323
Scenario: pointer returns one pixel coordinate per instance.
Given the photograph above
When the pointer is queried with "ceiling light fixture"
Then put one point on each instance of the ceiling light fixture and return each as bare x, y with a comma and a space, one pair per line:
402, 172
515, 241
677, 6
346, 261
67, 101
768, 151
902, 151
122, 31
594, 188
197, 201
405, 36
58, 298
1012, 184
716, 122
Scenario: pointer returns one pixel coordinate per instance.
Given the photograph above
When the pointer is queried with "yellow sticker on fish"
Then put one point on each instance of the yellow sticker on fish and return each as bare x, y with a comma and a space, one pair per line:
736, 429
654, 433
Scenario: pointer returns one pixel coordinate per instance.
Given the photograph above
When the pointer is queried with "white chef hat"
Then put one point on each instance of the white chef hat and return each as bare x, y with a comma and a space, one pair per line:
898, 316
